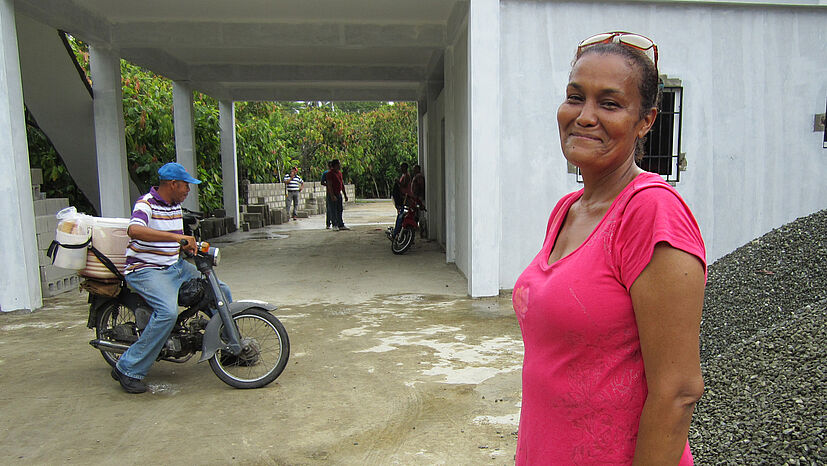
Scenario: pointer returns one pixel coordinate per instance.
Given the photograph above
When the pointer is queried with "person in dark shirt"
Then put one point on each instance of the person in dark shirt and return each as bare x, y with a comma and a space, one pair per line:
335, 190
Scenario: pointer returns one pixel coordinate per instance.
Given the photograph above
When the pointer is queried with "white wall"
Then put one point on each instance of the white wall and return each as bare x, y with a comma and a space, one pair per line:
753, 78
457, 156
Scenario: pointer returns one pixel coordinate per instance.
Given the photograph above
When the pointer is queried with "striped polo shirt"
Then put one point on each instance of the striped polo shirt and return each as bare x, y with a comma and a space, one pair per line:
293, 184
152, 211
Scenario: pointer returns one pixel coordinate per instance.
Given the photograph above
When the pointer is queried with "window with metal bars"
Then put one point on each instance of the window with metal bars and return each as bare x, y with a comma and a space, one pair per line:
663, 144
662, 149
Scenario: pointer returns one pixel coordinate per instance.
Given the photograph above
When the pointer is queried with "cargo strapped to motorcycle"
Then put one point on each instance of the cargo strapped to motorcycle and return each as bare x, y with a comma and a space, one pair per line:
108, 264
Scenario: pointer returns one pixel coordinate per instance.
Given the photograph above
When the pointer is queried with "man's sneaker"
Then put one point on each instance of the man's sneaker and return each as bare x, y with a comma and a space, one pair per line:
344, 228
335, 228
327, 227
130, 384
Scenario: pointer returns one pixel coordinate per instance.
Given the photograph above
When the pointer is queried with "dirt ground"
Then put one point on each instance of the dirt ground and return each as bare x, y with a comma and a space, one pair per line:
390, 363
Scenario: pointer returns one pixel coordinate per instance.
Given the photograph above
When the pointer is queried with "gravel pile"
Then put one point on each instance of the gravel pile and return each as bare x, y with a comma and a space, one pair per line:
763, 340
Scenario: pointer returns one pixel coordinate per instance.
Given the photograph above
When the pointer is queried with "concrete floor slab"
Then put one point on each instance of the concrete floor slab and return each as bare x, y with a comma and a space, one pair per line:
390, 363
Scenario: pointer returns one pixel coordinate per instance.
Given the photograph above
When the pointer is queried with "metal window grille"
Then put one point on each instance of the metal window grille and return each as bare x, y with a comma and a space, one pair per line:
663, 144
662, 149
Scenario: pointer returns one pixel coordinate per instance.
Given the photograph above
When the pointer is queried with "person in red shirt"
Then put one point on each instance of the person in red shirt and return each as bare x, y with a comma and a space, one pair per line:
335, 190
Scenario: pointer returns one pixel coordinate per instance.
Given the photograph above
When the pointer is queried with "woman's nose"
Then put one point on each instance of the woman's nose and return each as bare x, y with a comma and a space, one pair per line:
587, 115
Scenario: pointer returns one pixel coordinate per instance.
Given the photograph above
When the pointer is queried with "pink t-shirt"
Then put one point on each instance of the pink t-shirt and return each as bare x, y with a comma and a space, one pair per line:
583, 380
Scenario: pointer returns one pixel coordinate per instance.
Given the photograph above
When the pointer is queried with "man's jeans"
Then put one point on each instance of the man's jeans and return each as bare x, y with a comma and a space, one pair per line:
294, 197
328, 208
338, 208
159, 287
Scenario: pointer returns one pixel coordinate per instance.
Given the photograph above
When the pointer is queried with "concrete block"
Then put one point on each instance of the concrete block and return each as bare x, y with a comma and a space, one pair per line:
45, 239
255, 223
55, 204
245, 226
278, 216
36, 194
45, 223
60, 285
219, 213
50, 273
229, 224
41, 206
37, 176
256, 209
303, 214
260, 200
207, 231
42, 258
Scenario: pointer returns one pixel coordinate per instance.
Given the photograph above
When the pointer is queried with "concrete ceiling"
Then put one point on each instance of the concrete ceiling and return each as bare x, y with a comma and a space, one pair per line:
271, 49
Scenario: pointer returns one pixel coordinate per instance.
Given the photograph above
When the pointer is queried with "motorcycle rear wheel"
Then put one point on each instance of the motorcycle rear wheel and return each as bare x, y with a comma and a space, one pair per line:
265, 357
403, 241
115, 321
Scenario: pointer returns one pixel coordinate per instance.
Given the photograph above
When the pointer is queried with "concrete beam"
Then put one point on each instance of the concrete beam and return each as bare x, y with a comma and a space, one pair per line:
257, 34
69, 17
308, 91
20, 274
268, 73
158, 61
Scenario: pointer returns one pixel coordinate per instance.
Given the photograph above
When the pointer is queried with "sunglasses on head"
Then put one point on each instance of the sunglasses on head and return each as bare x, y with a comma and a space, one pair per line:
636, 41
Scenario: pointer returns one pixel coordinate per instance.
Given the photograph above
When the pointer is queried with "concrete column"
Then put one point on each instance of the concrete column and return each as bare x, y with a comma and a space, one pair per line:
450, 156
110, 143
185, 136
484, 132
229, 166
20, 273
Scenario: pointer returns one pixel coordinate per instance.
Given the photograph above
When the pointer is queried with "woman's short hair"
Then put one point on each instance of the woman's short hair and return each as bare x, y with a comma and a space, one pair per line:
648, 81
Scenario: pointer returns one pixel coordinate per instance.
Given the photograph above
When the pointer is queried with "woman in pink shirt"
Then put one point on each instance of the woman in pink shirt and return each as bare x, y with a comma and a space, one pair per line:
610, 308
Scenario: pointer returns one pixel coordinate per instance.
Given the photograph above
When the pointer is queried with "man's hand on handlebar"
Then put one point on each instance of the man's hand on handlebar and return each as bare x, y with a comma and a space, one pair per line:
188, 244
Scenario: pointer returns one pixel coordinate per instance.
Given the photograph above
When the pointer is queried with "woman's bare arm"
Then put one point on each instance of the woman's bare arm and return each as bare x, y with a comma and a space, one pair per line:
668, 299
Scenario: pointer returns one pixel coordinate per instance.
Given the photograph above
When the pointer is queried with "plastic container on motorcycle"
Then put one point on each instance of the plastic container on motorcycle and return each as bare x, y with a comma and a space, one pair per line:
67, 257
110, 238
68, 251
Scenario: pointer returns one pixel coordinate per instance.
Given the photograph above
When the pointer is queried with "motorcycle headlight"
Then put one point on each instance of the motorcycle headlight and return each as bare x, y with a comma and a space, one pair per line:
216, 256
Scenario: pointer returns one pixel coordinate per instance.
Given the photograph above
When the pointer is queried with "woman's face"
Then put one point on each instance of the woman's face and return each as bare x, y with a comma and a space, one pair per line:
600, 120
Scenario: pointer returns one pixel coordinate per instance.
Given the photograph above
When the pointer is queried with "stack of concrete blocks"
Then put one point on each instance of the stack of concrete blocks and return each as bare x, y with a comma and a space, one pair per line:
216, 226
268, 204
53, 280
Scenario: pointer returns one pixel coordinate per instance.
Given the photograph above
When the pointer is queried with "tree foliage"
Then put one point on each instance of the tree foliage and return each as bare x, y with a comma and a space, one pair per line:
370, 139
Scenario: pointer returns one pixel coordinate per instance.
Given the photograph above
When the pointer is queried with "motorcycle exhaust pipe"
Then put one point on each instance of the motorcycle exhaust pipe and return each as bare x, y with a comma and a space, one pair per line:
109, 346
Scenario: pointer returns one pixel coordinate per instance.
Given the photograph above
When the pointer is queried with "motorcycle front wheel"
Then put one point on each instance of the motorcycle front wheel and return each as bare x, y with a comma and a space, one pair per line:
116, 324
403, 241
265, 353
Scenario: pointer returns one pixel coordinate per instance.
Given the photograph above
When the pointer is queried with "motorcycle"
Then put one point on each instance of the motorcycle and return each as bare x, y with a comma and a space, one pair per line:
246, 345
411, 222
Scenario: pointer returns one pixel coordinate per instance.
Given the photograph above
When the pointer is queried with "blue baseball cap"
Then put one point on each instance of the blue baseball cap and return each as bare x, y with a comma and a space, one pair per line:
176, 171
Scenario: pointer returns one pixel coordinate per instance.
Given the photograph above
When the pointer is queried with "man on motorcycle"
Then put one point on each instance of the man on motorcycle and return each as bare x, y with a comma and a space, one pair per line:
407, 197
156, 270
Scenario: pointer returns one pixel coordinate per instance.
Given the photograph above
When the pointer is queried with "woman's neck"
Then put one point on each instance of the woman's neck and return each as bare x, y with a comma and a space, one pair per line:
604, 187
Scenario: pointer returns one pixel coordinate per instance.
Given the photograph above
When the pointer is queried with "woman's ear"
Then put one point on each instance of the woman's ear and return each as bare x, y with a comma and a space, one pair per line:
648, 120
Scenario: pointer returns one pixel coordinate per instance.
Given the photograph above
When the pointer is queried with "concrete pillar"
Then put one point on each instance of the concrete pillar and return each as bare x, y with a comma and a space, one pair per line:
450, 182
229, 166
20, 273
185, 136
110, 142
484, 132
